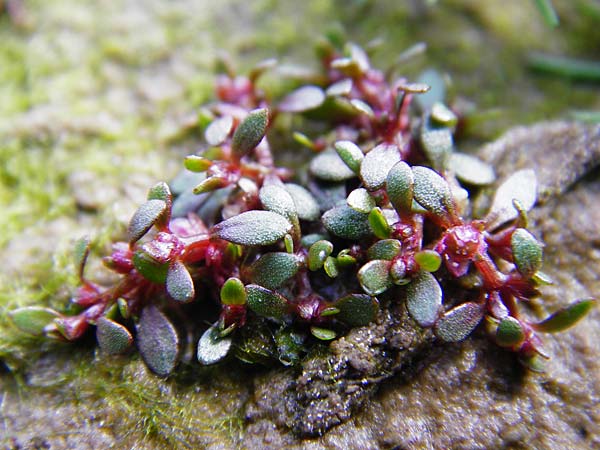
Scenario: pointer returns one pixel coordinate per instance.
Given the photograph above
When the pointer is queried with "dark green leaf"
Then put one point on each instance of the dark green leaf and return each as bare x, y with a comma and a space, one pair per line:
266, 303
386, 249
350, 153
566, 317
212, 347
180, 285
379, 224
432, 192
471, 169
250, 131
233, 292
272, 270
112, 337
216, 133
520, 186
424, 299
361, 201
527, 252
149, 268
253, 228
376, 165
428, 260
157, 341
456, 324
374, 276
160, 191
400, 184
306, 205
347, 223
510, 333
322, 333
144, 218
33, 319
318, 253
357, 310
81, 252
290, 346
329, 166
303, 99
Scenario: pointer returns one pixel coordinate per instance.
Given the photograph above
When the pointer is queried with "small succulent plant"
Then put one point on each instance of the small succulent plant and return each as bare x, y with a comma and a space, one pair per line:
278, 261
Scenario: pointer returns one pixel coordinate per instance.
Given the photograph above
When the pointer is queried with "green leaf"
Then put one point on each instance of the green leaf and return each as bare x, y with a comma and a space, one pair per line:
290, 346
471, 170
351, 154
527, 252
357, 310
548, 12
374, 276
306, 205
157, 341
196, 163
510, 333
253, 228
432, 192
414, 88
144, 218
565, 317
361, 201
277, 199
379, 224
272, 270
386, 249
33, 319
398, 272
233, 292
424, 299
210, 184
456, 324
303, 99
520, 186
399, 185
437, 144
250, 132
318, 253
346, 223
428, 260
112, 337
442, 115
149, 268
329, 166
267, 303
376, 165
212, 347
322, 333
81, 252
362, 107
216, 133
330, 267
345, 258
179, 283
160, 191
340, 88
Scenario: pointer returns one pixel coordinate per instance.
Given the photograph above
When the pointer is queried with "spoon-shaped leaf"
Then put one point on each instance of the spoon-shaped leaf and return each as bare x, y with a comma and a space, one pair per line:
386, 249
303, 99
149, 268
428, 260
272, 270
33, 319
400, 184
322, 334
456, 324
432, 192
520, 186
527, 252
180, 285
329, 166
157, 341
306, 205
233, 292
424, 299
437, 144
374, 276
357, 310
346, 223
212, 347
471, 170
318, 253
510, 333
112, 337
376, 165
379, 224
350, 153
253, 228
218, 130
360, 200
566, 317
266, 303
144, 218
250, 131
277, 199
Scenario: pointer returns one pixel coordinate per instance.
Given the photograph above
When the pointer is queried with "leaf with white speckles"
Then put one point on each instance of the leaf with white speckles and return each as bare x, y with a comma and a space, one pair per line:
157, 341
253, 228
376, 165
456, 324
520, 186
424, 299
212, 347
